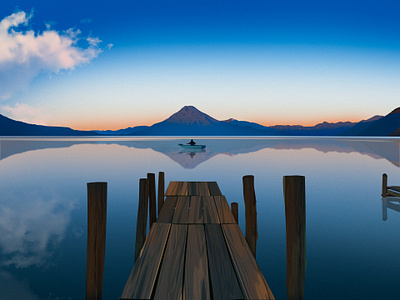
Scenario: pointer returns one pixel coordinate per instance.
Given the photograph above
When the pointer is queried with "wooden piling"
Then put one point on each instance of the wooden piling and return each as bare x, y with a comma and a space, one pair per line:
235, 211
384, 185
151, 177
96, 239
141, 226
295, 211
249, 196
161, 189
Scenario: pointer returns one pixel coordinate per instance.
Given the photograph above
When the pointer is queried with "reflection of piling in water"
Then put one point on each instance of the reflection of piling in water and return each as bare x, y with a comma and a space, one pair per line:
295, 211
96, 239
250, 212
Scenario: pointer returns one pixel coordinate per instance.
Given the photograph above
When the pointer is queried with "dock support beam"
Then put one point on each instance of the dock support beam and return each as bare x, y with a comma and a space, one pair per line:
384, 185
141, 226
295, 211
161, 189
96, 239
235, 211
250, 212
151, 177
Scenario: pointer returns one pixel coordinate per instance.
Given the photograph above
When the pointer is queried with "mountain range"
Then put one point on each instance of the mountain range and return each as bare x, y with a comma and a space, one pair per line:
189, 121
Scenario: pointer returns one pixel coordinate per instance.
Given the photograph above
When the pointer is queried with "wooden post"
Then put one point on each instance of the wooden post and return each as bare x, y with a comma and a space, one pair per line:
384, 185
141, 226
96, 239
161, 189
151, 177
250, 212
235, 211
295, 211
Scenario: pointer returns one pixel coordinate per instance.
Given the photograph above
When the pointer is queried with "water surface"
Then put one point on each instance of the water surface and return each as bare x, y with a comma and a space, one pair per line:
352, 236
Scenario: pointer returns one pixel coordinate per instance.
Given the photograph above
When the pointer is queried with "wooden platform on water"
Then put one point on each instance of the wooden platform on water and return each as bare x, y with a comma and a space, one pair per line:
393, 191
196, 250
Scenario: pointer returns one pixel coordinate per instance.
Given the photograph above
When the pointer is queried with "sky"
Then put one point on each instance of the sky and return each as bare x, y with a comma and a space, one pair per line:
96, 65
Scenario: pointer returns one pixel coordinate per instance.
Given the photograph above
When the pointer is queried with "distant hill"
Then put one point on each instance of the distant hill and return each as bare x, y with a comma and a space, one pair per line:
9, 127
378, 126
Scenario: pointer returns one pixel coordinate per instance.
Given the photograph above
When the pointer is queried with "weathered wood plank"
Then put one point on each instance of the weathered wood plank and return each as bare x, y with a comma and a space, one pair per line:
141, 281
210, 214
172, 188
182, 210
168, 209
214, 189
250, 277
196, 210
224, 212
170, 281
196, 284
182, 189
198, 189
224, 284
394, 187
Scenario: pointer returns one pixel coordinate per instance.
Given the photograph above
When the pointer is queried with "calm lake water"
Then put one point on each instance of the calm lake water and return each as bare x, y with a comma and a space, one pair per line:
352, 247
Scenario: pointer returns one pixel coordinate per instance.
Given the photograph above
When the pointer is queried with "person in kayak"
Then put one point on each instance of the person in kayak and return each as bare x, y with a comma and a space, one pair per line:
192, 143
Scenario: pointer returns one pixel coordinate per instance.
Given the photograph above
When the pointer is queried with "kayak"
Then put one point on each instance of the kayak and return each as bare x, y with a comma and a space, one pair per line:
187, 146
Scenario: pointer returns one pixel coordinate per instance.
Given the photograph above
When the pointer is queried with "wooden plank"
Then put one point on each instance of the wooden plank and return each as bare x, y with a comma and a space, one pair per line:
170, 281
168, 209
395, 188
393, 193
141, 281
172, 188
196, 285
224, 284
182, 210
224, 212
214, 189
196, 210
210, 214
250, 277
182, 189
198, 189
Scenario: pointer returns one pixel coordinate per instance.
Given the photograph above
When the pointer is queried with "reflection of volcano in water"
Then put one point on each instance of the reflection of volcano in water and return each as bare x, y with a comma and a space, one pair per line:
376, 148
189, 159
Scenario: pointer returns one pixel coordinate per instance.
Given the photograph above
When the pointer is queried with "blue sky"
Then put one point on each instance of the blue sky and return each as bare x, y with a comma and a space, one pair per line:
115, 64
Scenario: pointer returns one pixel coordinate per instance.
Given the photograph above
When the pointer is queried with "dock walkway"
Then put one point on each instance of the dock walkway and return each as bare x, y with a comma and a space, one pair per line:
196, 250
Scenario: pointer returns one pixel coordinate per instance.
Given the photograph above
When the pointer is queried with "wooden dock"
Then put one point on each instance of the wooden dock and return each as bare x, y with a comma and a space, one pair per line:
196, 250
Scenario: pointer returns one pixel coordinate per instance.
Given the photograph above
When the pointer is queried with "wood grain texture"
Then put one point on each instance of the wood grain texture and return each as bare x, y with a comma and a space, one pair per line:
141, 222
198, 189
224, 283
151, 180
172, 188
167, 212
224, 212
250, 277
214, 188
210, 214
142, 279
295, 213
182, 210
170, 281
196, 284
250, 202
96, 238
161, 190
196, 210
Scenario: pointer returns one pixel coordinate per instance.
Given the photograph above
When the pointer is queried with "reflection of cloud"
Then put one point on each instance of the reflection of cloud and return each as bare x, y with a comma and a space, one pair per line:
30, 225
24, 54
11, 288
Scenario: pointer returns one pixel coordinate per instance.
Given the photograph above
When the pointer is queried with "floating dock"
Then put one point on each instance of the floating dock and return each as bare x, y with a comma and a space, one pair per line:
195, 250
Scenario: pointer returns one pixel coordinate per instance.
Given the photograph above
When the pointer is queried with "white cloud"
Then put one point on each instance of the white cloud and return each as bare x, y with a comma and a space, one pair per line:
25, 113
25, 54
